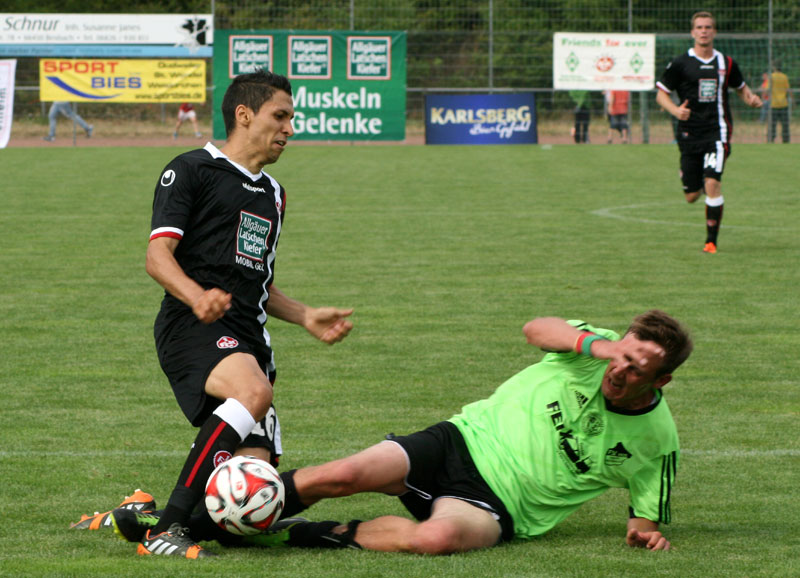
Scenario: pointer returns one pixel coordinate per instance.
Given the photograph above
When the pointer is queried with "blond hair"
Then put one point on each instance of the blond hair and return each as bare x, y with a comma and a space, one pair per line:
705, 15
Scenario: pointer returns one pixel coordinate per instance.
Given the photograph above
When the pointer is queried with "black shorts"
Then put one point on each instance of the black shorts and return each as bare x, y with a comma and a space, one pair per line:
440, 466
618, 122
700, 161
189, 350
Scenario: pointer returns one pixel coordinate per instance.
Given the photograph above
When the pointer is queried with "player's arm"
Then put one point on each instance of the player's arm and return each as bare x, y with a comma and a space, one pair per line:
551, 334
747, 96
161, 265
328, 324
681, 112
643, 533
555, 334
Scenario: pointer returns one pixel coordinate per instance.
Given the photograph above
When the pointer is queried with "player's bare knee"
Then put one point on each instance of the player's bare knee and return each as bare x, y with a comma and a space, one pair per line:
257, 399
435, 537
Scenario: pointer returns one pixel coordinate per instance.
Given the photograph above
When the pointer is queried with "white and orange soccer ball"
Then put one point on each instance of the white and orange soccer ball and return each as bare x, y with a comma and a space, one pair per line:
244, 495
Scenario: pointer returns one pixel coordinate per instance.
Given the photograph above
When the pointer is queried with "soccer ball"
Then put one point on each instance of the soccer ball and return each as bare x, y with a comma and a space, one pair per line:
244, 495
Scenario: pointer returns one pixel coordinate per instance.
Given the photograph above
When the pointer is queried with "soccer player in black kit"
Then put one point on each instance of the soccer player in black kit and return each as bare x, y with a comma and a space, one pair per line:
215, 226
702, 77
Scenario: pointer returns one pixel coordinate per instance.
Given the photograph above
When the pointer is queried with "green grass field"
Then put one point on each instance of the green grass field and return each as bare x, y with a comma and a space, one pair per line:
444, 252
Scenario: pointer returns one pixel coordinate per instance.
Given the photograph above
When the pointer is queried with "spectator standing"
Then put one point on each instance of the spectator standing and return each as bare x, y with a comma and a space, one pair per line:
580, 131
187, 112
65, 108
617, 102
780, 103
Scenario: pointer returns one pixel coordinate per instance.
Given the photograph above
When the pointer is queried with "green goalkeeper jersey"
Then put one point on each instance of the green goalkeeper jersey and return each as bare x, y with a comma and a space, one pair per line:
547, 441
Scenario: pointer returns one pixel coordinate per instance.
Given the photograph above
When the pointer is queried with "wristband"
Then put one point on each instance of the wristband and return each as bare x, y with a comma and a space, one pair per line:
584, 342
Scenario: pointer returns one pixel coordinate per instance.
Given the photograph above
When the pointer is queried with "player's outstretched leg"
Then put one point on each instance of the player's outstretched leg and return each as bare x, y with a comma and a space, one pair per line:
138, 501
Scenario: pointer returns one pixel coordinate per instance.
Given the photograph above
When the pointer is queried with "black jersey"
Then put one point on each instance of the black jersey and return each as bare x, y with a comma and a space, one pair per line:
705, 84
228, 221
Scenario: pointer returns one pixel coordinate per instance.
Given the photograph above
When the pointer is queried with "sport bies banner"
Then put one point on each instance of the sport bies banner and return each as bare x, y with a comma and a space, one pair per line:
87, 80
346, 85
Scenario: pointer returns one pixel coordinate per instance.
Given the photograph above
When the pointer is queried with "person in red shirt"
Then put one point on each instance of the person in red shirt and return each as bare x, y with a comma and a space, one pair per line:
617, 111
186, 112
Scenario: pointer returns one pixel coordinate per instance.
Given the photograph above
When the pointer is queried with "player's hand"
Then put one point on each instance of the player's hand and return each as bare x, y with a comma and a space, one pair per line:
629, 349
211, 305
755, 101
651, 540
328, 324
683, 111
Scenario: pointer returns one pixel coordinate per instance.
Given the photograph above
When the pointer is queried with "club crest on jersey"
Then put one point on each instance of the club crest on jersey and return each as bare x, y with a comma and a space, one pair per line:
221, 457
226, 342
168, 178
592, 424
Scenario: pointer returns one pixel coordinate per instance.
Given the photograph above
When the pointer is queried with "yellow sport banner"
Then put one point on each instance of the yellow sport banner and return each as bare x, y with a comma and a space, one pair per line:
121, 80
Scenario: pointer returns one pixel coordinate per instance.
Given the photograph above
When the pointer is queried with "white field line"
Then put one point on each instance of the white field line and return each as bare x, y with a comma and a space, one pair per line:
613, 213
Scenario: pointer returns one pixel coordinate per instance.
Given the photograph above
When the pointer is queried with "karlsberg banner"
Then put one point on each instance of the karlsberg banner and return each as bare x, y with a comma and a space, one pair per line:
480, 119
107, 35
89, 80
345, 85
602, 61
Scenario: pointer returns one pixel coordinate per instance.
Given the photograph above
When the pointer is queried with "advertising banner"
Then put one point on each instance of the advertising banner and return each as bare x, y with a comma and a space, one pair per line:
480, 119
7, 73
603, 61
84, 80
106, 35
345, 85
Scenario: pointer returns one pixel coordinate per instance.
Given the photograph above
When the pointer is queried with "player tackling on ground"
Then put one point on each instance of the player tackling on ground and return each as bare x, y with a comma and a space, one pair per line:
702, 78
588, 417
216, 221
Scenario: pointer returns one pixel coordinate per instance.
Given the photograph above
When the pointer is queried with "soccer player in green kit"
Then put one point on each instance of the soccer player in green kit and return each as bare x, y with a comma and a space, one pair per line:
589, 416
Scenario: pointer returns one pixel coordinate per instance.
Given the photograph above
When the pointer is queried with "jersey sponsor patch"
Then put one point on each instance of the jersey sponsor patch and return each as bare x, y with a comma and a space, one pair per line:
221, 457
707, 90
570, 448
168, 178
252, 236
226, 342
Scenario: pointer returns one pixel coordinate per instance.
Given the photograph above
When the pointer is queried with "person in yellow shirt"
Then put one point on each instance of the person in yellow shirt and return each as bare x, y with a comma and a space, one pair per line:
780, 103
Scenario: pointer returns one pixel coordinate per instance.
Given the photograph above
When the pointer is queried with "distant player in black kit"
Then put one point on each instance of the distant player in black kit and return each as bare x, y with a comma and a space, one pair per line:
702, 77
216, 221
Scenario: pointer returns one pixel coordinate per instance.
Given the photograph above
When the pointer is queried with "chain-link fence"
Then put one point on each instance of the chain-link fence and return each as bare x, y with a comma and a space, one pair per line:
506, 45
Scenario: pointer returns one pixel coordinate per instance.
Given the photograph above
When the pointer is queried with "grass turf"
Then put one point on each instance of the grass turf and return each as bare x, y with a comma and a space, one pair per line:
444, 252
